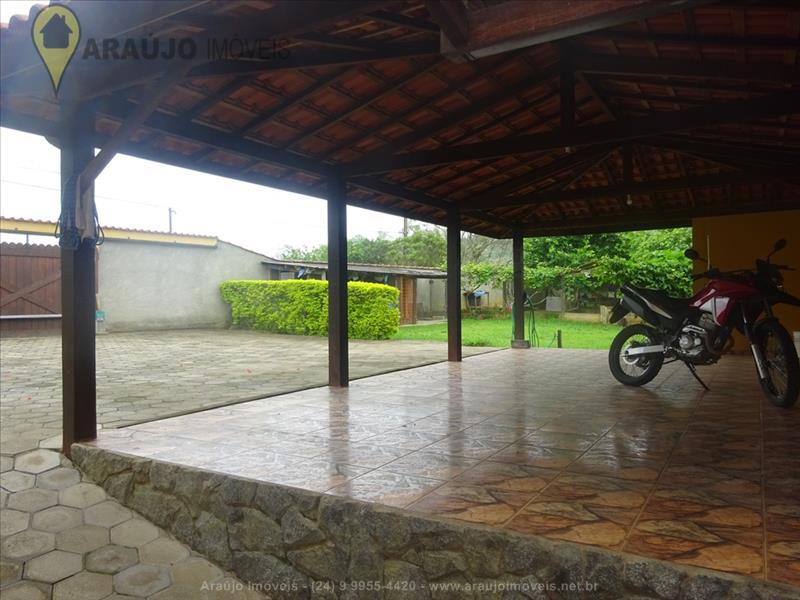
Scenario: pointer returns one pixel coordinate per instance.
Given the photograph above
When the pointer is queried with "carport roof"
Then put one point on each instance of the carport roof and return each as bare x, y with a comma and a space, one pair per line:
681, 109
415, 272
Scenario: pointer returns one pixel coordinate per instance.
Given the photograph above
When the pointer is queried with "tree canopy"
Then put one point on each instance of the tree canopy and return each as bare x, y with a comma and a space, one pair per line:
580, 266
422, 247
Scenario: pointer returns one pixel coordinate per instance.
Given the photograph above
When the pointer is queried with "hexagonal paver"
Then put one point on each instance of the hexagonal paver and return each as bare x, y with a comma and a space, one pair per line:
53, 566
141, 580
83, 586
27, 544
134, 533
106, 514
194, 571
58, 479
37, 461
13, 521
6, 463
57, 518
3, 497
81, 495
163, 551
16, 481
27, 590
33, 500
9, 572
82, 539
111, 559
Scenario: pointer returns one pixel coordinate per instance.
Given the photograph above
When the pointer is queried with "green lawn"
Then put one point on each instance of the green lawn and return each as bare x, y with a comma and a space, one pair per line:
497, 333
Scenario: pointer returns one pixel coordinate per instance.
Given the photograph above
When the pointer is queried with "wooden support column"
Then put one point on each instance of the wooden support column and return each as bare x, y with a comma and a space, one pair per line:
519, 340
453, 285
79, 404
338, 361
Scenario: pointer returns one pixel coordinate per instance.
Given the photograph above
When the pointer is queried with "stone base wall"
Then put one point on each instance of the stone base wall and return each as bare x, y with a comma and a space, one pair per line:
301, 544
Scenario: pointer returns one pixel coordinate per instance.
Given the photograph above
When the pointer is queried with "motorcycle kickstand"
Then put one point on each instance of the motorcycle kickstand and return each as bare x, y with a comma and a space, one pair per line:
693, 371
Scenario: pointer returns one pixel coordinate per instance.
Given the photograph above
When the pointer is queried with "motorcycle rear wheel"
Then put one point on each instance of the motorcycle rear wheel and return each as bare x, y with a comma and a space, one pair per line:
782, 384
640, 370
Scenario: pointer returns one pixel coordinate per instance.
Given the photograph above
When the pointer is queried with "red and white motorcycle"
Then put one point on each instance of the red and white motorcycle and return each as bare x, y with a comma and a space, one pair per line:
696, 330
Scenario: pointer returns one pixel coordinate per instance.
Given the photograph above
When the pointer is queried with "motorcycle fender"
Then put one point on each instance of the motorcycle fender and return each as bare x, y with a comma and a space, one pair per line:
780, 296
619, 311
760, 325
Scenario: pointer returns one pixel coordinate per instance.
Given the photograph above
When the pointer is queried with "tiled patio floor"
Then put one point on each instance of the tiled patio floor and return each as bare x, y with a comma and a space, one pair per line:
542, 442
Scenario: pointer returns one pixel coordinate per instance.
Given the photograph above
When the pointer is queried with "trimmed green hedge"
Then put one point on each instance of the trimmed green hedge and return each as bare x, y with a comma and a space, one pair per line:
300, 307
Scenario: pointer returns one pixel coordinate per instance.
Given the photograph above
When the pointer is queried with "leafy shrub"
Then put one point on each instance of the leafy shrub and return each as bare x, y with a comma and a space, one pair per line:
372, 312
300, 307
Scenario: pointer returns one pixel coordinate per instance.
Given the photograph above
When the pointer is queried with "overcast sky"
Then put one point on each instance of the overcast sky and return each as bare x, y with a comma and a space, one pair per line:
138, 194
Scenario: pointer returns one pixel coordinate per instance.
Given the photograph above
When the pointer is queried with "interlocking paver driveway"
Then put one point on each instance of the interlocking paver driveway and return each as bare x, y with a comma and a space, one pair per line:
146, 376
63, 538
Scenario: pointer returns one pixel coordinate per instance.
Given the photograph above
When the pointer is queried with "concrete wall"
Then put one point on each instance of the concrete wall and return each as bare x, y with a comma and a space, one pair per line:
431, 295
736, 241
158, 286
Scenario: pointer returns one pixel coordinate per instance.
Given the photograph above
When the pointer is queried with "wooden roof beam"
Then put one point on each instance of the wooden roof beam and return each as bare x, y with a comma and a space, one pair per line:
747, 41
497, 28
712, 149
666, 122
315, 58
643, 219
120, 109
634, 188
564, 163
382, 187
717, 69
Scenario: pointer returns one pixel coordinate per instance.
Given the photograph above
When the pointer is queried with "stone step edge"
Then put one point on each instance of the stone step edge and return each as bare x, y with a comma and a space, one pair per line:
291, 541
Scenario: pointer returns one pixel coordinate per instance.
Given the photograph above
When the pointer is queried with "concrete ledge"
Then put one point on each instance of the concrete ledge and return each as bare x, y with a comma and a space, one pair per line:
302, 544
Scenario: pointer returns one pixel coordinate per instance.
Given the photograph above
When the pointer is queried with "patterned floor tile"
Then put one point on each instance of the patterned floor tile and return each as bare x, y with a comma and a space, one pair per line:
586, 509
385, 487
472, 503
537, 456
610, 464
699, 529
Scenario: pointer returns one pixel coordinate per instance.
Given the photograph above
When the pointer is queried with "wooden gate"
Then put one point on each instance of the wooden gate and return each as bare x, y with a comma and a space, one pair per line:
30, 289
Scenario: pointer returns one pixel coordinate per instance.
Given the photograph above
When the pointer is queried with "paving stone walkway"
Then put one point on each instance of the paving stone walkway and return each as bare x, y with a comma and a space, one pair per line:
147, 376
62, 538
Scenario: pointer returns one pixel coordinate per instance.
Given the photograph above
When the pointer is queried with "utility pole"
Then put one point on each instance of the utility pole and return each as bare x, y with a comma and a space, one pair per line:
171, 212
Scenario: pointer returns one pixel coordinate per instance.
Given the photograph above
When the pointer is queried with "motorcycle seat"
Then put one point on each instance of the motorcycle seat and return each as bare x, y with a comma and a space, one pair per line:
674, 306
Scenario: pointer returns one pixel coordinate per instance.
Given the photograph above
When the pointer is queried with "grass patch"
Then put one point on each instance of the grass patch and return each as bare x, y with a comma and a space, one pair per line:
497, 333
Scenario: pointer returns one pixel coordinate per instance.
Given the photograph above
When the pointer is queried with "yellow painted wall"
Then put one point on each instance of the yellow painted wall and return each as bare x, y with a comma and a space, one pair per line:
738, 240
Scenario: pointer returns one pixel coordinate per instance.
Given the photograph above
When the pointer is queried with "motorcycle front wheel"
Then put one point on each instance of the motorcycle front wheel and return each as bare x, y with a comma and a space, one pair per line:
782, 383
634, 370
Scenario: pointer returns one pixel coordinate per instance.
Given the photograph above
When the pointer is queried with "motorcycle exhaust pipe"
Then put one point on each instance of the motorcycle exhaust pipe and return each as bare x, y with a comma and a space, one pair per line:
639, 350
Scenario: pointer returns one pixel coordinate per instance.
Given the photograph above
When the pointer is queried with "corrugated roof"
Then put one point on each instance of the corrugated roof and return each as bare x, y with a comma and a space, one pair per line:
37, 227
408, 271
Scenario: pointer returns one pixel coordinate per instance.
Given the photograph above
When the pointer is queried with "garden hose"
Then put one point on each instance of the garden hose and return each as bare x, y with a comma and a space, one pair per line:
533, 334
